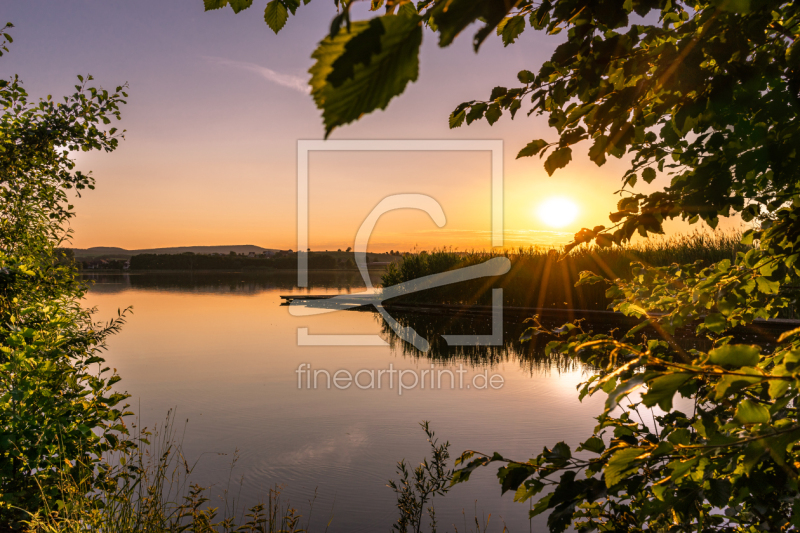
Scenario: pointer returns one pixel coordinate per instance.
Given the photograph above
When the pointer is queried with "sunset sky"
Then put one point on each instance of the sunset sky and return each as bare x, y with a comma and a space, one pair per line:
218, 102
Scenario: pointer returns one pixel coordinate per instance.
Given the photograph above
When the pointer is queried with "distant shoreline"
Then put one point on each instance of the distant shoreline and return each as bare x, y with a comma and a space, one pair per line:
220, 271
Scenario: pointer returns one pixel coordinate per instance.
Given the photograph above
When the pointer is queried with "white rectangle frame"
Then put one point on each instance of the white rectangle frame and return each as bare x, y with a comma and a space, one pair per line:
305, 147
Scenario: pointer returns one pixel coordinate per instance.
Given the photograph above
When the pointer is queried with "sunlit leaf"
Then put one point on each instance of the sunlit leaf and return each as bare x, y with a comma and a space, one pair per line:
662, 389
750, 412
620, 465
737, 355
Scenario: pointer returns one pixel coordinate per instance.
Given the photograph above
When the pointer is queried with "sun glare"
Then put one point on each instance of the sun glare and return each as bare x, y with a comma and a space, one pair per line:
558, 212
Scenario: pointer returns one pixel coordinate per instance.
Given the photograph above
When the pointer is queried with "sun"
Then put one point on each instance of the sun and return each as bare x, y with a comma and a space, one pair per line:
558, 212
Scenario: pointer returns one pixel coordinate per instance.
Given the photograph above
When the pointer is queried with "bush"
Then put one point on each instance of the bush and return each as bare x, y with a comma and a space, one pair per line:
58, 413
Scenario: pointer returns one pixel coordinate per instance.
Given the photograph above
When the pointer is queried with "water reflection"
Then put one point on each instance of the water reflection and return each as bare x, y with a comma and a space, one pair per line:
530, 355
431, 326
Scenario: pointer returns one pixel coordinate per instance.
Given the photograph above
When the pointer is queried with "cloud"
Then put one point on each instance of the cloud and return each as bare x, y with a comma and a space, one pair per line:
286, 80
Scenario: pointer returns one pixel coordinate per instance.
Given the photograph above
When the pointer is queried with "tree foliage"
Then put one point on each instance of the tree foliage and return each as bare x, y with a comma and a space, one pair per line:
59, 413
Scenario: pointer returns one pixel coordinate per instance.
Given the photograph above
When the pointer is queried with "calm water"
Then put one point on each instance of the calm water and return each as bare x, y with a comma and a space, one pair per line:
222, 351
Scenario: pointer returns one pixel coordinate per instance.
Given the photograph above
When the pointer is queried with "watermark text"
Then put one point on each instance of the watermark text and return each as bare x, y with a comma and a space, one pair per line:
397, 379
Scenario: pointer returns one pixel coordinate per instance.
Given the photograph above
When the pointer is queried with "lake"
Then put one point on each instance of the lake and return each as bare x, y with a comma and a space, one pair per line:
222, 352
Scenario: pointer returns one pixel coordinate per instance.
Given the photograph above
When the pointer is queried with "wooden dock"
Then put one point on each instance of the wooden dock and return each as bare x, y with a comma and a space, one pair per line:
292, 297
545, 313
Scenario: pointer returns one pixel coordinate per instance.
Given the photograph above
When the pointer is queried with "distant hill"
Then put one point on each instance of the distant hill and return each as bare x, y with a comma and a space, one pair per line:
110, 252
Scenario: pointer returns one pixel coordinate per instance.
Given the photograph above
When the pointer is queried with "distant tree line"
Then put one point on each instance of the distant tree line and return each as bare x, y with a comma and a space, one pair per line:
190, 261
102, 264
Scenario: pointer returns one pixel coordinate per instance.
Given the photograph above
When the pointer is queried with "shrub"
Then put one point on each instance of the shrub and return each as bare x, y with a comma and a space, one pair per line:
59, 414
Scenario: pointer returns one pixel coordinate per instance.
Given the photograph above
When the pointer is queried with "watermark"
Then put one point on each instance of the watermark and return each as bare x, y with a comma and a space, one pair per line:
400, 379
376, 297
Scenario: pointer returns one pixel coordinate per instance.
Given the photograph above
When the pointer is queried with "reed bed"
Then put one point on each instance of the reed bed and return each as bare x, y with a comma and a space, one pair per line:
542, 277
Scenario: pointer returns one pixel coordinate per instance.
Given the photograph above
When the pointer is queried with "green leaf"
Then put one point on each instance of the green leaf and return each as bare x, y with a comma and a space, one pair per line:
532, 148
737, 355
624, 388
457, 118
530, 488
559, 455
597, 153
768, 269
462, 475
365, 82
588, 277
719, 492
453, 16
239, 5
593, 444
778, 387
633, 308
214, 4
292, 5
662, 389
357, 52
786, 334
407, 9
512, 29
681, 468
767, 286
498, 92
276, 15
493, 114
476, 112
526, 76
733, 6
716, 322
750, 412
512, 476
558, 159
620, 465
541, 506
649, 174
729, 384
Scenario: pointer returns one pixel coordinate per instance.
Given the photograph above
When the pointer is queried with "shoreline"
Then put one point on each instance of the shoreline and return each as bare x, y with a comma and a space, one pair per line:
219, 271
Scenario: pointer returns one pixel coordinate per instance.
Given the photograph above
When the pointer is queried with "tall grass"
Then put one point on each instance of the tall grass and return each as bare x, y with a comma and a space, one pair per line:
540, 277
150, 491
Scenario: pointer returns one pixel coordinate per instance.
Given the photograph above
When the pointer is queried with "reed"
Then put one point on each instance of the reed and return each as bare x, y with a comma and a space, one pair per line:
542, 277
150, 490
